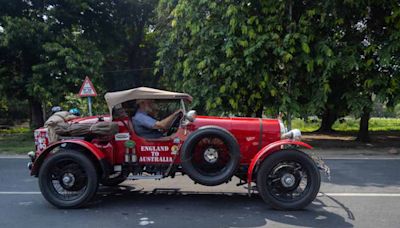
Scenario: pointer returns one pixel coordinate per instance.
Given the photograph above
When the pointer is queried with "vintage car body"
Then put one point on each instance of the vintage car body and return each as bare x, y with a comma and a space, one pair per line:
126, 155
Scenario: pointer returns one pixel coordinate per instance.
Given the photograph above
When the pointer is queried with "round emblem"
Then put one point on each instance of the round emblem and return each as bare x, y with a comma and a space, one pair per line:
129, 144
174, 149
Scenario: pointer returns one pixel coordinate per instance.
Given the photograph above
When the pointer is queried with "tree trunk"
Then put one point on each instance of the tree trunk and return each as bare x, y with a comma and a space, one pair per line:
36, 113
328, 119
259, 112
363, 133
289, 120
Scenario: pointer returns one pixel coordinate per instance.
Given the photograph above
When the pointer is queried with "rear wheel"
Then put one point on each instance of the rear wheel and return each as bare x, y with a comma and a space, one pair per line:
68, 179
288, 180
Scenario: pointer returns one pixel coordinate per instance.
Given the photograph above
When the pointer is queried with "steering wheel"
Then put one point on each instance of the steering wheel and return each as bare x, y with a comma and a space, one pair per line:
175, 124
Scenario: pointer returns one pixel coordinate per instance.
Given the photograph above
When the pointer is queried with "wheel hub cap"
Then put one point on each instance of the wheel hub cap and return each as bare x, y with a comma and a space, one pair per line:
288, 180
211, 155
68, 179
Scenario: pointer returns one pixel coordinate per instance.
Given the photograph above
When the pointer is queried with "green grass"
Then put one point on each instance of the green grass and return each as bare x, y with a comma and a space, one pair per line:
20, 140
351, 124
303, 126
15, 130
17, 143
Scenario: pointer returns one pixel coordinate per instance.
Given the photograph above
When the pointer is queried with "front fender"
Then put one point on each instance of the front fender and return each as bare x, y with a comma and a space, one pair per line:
92, 149
267, 150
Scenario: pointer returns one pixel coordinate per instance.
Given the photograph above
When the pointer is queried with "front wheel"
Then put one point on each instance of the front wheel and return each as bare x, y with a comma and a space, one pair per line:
288, 180
68, 179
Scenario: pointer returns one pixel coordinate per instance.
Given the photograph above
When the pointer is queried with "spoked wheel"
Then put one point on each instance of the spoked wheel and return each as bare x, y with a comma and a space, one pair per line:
68, 179
288, 179
210, 156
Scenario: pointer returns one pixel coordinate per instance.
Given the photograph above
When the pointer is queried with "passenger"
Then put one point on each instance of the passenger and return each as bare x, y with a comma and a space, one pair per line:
75, 112
146, 125
58, 116
55, 109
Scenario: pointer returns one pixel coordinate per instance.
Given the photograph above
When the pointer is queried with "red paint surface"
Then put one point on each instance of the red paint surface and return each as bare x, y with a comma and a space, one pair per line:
40, 156
267, 150
257, 138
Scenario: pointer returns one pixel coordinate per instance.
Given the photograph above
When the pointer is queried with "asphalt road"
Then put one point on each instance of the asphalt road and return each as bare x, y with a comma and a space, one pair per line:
361, 193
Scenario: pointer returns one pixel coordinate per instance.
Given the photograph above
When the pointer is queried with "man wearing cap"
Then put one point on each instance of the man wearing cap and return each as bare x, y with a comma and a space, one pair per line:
56, 118
146, 125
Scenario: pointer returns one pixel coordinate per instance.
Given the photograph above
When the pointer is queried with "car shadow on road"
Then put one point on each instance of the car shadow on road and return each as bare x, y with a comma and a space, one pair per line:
167, 207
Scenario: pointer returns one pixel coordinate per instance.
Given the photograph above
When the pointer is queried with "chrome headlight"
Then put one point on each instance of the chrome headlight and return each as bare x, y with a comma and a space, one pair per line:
294, 134
191, 115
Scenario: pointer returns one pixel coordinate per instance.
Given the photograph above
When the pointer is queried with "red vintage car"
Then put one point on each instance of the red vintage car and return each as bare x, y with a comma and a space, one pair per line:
210, 150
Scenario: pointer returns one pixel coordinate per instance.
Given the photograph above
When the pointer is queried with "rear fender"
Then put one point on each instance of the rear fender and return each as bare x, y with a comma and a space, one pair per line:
267, 150
92, 151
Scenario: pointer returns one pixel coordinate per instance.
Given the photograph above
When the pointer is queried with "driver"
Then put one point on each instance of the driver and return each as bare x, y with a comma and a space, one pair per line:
146, 125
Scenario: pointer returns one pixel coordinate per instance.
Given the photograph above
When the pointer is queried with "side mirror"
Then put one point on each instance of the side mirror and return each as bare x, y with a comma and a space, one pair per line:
191, 115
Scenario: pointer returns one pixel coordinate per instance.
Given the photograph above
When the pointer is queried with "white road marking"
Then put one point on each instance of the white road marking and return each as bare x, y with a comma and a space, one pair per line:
19, 193
360, 194
360, 157
14, 157
321, 194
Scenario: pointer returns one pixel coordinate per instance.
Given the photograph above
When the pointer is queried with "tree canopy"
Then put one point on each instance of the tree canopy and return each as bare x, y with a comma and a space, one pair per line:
247, 58
48, 47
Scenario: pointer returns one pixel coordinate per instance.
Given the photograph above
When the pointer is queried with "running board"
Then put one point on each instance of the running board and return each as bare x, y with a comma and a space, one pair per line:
141, 177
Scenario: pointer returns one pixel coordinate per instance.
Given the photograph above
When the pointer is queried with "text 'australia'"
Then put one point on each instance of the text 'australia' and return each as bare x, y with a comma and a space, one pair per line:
155, 159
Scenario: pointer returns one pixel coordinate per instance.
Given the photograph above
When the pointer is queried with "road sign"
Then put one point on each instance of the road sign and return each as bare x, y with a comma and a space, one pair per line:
87, 89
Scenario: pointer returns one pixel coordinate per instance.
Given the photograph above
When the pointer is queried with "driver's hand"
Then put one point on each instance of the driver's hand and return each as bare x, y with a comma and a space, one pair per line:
178, 111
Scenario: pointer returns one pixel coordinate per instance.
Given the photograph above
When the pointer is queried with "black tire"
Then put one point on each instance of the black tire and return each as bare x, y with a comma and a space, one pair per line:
224, 162
273, 170
68, 163
113, 181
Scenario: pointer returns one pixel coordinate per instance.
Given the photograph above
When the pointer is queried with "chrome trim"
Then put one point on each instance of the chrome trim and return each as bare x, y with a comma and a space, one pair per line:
191, 115
282, 127
294, 134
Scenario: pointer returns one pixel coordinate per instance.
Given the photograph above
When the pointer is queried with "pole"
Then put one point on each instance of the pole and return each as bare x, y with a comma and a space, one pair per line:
289, 114
90, 105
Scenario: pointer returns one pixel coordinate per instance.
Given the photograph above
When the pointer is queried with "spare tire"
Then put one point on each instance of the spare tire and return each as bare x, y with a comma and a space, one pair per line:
210, 156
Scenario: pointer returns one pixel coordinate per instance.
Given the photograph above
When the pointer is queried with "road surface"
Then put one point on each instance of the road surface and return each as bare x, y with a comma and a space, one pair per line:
363, 192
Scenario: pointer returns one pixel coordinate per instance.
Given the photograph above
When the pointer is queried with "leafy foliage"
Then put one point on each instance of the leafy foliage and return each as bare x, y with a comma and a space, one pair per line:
248, 58
242, 57
245, 57
47, 48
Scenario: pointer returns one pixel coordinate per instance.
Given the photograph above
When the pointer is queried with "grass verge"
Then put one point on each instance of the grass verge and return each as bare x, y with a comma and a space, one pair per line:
385, 132
350, 125
18, 143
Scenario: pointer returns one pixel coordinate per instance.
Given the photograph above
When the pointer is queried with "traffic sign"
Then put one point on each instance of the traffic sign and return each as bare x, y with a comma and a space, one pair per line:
87, 89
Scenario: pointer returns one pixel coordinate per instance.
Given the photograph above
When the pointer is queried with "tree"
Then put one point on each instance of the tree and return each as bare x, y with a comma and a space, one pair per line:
370, 65
42, 64
48, 47
22, 39
300, 57
121, 31
244, 57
